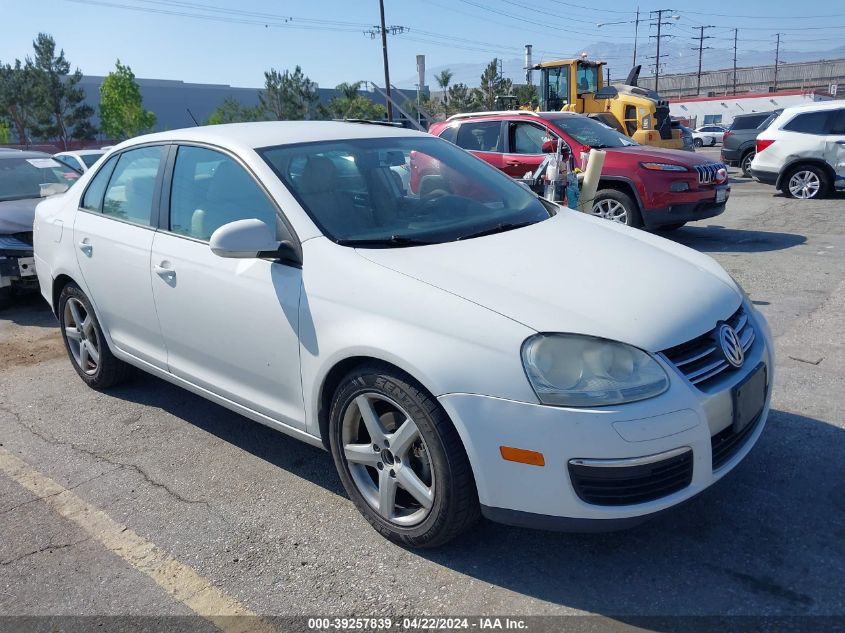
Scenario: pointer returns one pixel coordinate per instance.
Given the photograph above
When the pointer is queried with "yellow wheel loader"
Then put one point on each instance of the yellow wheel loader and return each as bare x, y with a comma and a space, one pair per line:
577, 85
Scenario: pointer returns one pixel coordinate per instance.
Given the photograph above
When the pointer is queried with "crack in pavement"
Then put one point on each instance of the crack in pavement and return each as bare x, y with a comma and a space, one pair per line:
46, 548
146, 476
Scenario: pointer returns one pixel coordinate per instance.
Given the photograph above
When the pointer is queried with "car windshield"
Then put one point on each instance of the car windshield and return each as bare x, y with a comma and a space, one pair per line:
21, 178
401, 191
589, 132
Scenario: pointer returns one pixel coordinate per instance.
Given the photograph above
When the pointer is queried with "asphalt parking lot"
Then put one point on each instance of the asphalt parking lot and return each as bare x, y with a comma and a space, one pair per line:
259, 522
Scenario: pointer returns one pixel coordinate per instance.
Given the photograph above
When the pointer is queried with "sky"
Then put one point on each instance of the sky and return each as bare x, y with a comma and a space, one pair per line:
227, 42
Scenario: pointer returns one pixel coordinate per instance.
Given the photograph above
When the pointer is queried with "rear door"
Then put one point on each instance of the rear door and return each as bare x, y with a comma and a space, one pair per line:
113, 233
484, 139
524, 147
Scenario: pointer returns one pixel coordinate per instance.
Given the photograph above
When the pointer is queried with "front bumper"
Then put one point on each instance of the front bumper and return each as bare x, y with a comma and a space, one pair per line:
546, 497
705, 207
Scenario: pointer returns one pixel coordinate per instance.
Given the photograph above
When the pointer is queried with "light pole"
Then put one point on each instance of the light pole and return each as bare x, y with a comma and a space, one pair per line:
636, 24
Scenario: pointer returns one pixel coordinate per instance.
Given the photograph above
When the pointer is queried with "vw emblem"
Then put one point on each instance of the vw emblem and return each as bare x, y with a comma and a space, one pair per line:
731, 345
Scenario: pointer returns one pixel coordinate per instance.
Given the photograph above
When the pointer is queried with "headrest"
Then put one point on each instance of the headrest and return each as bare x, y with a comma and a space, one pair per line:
319, 175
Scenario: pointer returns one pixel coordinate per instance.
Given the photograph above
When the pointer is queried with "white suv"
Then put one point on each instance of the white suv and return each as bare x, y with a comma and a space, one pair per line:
802, 152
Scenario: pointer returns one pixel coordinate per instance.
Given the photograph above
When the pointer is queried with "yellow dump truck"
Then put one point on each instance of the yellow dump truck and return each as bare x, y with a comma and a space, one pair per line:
577, 85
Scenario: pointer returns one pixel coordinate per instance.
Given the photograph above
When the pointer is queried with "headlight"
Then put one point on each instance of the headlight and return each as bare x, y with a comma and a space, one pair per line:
571, 370
663, 167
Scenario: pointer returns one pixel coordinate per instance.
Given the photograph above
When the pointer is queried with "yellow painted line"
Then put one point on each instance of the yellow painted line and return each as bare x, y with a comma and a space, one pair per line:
177, 579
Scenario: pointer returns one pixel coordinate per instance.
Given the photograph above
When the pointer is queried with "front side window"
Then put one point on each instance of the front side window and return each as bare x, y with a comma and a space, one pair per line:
129, 195
809, 123
527, 138
479, 136
90, 159
211, 189
837, 123
557, 89
353, 191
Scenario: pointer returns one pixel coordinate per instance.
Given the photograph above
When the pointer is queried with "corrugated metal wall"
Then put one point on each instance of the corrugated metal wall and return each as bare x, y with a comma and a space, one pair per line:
803, 76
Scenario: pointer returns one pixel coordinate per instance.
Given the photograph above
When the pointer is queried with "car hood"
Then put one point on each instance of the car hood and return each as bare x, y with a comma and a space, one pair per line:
574, 273
659, 154
17, 216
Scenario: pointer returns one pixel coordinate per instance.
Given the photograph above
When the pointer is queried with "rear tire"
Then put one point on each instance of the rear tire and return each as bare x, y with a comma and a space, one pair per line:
85, 343
805, 182
617, 206
745, 163
416, 487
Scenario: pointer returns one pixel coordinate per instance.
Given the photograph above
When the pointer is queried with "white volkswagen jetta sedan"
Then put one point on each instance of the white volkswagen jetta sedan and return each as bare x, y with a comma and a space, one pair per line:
461, 346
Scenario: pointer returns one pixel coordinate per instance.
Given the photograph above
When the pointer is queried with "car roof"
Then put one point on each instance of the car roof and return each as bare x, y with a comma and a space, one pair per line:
24, 154
270, 133
816, 105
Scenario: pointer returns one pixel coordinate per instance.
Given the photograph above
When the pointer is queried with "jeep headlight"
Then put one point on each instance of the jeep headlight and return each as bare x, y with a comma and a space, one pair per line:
572, 370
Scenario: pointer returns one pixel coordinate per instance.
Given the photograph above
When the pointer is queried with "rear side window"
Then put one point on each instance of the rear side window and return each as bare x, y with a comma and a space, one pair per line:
809, 123
93, 198
129, 195
480, 136
748, 122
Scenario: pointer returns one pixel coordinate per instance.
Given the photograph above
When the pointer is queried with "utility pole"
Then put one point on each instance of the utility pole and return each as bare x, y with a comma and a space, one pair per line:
658, 20
636, 29
736, 32
701, 47
389, 104
777, 61
383, 31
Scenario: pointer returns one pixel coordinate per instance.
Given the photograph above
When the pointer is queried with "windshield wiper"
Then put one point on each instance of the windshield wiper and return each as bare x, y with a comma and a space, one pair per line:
499, 228
393, 240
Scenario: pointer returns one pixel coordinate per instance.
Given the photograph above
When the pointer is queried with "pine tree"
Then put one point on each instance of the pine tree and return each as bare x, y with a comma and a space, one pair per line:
61, 111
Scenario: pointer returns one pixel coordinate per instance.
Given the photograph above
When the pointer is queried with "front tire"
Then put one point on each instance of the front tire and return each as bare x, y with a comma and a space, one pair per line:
745, 164
805, 182
86, 346
698, 142
616, 206
400, 458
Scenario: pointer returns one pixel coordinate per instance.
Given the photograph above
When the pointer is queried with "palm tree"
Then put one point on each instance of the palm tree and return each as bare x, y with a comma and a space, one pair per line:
349, 91
443, 78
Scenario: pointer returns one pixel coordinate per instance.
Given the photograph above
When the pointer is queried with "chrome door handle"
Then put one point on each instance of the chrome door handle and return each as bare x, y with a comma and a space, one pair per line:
86, 247
513, 163
163, 271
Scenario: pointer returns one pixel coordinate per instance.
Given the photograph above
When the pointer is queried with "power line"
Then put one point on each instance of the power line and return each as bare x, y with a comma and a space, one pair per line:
659, 22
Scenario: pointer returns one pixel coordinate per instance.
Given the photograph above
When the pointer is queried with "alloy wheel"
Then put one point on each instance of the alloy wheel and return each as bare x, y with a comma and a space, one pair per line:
746, 163
611, 209
804, 184
388, 459
82, 338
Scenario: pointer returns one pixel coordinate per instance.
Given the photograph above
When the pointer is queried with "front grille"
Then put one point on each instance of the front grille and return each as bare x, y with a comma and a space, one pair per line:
607, 485
725, 444
707, 174
701, 360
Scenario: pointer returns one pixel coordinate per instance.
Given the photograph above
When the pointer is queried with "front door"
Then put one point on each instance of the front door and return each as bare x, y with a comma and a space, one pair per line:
835, 147
230, 325
113, 233
525, 147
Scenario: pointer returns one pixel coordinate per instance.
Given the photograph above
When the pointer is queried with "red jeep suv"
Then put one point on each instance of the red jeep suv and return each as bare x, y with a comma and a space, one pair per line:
640, 186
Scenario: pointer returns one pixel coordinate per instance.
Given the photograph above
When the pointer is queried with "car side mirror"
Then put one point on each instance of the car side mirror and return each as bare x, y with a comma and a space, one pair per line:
251, 239
550, 146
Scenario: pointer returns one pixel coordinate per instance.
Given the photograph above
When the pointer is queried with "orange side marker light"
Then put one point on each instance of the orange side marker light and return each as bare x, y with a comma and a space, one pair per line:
522, 456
